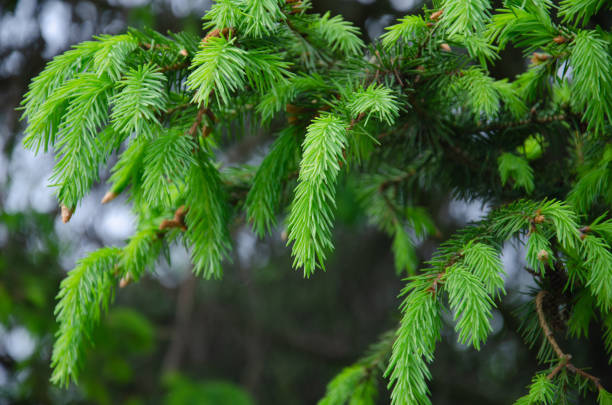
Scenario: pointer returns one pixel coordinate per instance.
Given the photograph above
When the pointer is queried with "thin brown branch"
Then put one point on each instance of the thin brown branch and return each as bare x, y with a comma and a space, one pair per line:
177, 222
544, 325
196, 124
563, 357
586, 375
562, 364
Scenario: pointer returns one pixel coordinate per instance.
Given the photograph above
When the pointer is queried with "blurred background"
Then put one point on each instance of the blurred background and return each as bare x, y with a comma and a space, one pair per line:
262, 335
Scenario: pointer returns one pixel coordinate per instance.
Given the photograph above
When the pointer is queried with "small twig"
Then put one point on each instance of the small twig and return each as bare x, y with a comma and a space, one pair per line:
177, 222
544, 325
586, 375
196, 124
563, 357
560, 366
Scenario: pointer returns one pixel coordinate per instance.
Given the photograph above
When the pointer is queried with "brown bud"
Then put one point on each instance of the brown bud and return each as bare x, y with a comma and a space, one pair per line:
538, 57
125, 281
180, 212
66, 213
108, 197
436, 16
169, 223
538, 219
429, 25
217, 33
559, 39
293, 109
543, 255
212, 33
445, 47
184, 52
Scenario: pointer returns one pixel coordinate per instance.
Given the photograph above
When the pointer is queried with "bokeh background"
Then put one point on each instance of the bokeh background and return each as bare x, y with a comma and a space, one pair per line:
262, 335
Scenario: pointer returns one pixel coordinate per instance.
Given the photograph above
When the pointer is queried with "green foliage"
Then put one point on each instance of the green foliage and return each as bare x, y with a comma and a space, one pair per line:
414, 345
580, 9
84, 295
110, 57
516, 168
221, 68
582, 315
219, 65
541, 391
375, 100
341, 35
79, 150
483, 94
224, 14
354, 386
165, 165
43, 106
140, 252
261, 17
599, 260
183, 391
484, 262
528, 26
604, 397
409, 28
472, 306
141, 98
592, 83
206, 219
264, 196
310, 220
465, 16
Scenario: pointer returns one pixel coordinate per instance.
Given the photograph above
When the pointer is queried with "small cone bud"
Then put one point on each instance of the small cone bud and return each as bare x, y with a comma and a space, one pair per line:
436, 16
180, 212
184, 52
125, 281
108, 197
560, 39
284, 235
543, 255
538, 57
445, 47
212, 33
66, 213
539, 219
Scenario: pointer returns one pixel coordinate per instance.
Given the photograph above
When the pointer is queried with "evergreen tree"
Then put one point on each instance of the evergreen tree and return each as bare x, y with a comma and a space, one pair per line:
414, 113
